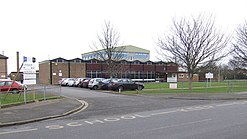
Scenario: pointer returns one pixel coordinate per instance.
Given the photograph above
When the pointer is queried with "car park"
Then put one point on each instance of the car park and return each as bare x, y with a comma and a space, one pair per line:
94, 83
7, 86
125, 84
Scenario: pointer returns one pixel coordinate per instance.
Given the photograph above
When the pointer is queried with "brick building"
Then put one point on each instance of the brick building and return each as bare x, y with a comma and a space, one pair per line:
51, 71
3, 67
183, 77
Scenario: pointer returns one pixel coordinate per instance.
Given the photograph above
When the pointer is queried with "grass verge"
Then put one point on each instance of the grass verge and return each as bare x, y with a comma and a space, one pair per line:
17, 99
197, 87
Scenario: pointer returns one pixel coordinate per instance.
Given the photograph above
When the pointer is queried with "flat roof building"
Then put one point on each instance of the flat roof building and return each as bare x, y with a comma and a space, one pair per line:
51, 71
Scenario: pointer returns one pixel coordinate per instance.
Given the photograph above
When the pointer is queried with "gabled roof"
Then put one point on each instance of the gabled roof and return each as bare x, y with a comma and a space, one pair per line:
3, 57
125, 48
133, 49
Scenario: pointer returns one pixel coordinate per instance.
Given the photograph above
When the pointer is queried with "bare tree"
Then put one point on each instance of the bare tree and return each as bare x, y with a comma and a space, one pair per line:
193, 43
106, 47
240, 46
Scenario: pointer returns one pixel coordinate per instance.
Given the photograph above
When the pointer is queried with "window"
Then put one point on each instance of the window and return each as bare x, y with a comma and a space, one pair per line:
60, 60
181, 76
2, 83
136, 62
8, 83
169, 75
123, 62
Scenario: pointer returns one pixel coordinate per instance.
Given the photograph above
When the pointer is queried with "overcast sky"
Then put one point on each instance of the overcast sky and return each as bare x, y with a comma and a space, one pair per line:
47, 29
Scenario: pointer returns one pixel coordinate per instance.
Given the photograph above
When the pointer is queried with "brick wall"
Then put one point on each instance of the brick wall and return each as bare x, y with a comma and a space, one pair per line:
3, 68
44, 73
77, 70
183, 77
58, 70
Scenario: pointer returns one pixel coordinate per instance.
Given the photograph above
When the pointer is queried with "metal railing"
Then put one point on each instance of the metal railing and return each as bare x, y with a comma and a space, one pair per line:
31, 94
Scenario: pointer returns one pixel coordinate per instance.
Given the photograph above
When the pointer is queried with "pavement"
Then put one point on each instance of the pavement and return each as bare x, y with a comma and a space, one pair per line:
37, 111
43, 110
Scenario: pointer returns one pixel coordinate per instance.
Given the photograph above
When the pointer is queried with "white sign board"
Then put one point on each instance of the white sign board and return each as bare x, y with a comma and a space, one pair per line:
173, 86
29, 72
209, 75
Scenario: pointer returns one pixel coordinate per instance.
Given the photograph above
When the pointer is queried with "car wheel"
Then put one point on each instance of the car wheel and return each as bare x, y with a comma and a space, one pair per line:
95, 87
139, 88
15, 91
120, 88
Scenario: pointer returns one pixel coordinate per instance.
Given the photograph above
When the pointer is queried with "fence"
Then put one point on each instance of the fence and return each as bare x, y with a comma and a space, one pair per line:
31, 94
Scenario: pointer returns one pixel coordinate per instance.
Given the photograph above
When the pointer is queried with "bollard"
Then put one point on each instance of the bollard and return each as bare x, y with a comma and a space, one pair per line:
25, 97
60, 89
44, 92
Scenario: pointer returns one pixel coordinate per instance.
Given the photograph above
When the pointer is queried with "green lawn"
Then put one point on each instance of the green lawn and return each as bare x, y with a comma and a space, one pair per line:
197, 87
19, 98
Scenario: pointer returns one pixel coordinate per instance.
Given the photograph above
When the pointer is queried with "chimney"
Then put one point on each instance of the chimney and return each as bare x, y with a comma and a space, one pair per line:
2, 52
17, 61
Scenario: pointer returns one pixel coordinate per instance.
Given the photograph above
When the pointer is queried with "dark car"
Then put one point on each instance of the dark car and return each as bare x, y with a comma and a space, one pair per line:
103, 85
125, 84
11, 86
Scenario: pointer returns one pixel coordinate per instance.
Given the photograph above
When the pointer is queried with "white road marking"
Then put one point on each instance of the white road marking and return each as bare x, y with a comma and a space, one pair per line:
182, 124
170, 126
165, 112
86, 105
54, 127
197, 108
19, 131
226, 104
74, 124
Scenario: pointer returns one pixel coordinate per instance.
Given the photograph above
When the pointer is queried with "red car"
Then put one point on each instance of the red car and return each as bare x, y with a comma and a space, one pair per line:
6, 85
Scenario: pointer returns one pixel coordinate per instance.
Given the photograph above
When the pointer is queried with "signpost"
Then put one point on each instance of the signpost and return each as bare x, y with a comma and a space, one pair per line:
209, 76
29, 70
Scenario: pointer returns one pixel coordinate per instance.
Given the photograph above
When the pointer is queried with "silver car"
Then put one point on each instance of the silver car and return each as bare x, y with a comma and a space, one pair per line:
94, 83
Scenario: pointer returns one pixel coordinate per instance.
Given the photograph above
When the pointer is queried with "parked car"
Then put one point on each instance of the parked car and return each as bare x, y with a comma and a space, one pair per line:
104, 84
65, 81
94, 83
11, 86
71, 82
61, 81
125, 84
78, 81
84, 84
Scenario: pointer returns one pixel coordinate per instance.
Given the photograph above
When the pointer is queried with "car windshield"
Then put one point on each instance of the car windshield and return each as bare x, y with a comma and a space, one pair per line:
1, 83
106, 81
97, 80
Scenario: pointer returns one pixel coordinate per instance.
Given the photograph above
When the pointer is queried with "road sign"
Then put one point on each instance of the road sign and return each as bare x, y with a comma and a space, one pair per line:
29, 71
209, 75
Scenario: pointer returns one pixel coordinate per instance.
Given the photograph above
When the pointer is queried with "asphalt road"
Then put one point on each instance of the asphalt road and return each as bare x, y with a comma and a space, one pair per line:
119, 116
